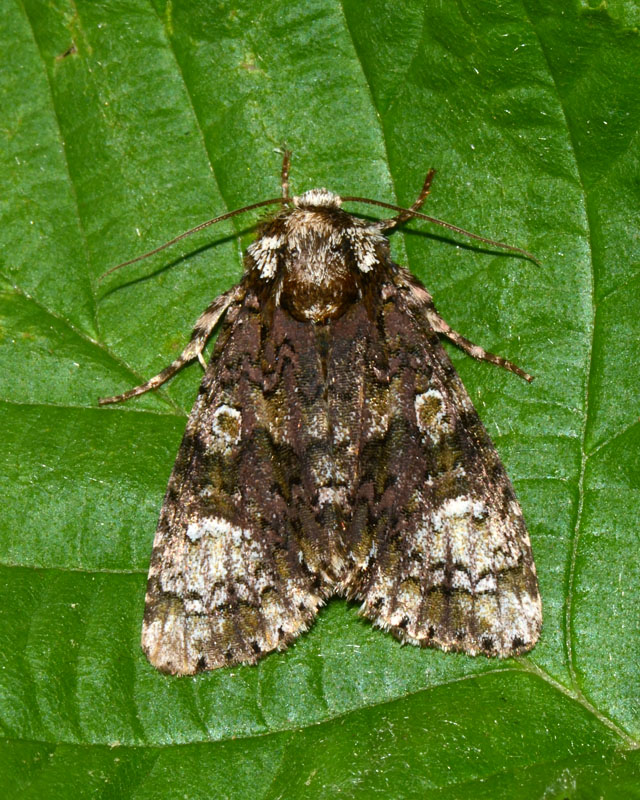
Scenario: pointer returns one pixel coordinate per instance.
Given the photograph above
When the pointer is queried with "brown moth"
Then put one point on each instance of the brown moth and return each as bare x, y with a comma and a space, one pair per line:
333, 449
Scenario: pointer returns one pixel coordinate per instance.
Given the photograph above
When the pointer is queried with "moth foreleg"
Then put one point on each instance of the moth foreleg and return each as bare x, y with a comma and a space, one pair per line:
203, 329
436, 322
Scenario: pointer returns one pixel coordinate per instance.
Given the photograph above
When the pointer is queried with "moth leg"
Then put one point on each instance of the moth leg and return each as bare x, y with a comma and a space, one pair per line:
203, 328
387, 224
474, 350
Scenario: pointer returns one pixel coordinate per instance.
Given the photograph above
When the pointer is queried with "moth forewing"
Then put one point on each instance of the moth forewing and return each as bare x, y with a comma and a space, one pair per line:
333, 449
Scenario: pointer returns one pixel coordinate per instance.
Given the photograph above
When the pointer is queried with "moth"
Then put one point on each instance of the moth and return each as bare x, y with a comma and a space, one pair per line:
333, 450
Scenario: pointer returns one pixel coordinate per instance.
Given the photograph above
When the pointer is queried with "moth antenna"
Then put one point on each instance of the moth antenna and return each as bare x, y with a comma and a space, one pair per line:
426, 188
407, 213
195, 230
284, 179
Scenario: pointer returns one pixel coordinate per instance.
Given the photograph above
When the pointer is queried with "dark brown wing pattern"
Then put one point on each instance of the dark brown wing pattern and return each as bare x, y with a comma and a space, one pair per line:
441, 554
247, 546
340, 458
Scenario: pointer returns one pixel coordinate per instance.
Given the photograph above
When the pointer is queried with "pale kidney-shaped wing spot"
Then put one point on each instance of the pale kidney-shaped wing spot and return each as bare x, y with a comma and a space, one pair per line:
226, 427
431, 414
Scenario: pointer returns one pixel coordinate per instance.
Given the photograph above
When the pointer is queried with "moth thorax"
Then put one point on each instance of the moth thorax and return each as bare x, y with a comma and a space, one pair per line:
319, 279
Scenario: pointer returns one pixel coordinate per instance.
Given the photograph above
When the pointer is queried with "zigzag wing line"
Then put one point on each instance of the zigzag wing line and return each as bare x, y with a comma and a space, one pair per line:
242, 558
441, 552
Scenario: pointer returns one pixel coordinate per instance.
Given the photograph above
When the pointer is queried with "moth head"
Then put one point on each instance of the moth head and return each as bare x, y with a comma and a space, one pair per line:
317, 198
317, 256
316, 235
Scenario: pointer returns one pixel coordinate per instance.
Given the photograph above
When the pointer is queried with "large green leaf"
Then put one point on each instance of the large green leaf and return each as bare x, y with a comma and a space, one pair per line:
125, 123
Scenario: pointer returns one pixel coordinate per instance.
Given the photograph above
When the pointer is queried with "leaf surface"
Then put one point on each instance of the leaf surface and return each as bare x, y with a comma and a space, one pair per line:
127, 123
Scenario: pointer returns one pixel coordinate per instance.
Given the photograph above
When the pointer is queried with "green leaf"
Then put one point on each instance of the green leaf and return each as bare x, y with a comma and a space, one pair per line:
125, 124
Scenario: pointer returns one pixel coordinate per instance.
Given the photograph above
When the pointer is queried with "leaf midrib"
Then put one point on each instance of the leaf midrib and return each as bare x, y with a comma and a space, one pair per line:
627, 741
589, 368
